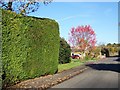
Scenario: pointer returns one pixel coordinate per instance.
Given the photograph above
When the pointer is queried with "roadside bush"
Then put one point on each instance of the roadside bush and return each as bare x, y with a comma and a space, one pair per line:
105, 51
30, 47
119, 52
64, 52
96, 52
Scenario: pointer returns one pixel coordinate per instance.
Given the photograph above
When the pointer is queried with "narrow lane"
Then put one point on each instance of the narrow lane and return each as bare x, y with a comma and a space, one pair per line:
102, 74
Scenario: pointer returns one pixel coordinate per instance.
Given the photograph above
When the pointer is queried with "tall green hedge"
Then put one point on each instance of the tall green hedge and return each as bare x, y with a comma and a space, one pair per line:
30, 47
64, 52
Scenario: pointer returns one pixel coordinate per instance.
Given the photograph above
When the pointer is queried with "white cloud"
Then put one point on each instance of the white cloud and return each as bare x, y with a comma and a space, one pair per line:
70, 17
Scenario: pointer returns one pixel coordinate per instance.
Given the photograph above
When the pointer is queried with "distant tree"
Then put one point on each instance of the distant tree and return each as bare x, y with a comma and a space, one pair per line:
109, 44
118, 44
114, 44
83, 37
22, 7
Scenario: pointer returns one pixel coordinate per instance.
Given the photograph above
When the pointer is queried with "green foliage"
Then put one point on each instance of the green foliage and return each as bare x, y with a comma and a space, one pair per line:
119, 52
30, 47
97, 52
113, 48
64, 52
87, 57
105, 51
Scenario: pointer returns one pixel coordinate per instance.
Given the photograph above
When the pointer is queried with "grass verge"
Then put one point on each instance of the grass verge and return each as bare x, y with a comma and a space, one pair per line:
72, 64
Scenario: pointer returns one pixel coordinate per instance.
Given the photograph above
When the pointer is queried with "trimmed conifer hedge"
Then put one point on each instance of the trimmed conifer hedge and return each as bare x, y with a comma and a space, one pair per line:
64, 52
30, 47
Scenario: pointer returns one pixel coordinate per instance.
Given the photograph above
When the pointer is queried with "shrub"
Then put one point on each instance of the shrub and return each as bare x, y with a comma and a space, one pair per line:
30, 47
64, 52
119, 52
105, 51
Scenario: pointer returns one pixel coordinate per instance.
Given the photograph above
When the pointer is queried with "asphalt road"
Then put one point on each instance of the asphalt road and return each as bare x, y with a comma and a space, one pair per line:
102, 74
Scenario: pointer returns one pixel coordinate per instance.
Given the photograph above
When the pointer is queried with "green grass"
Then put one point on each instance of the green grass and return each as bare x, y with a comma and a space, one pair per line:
72, 64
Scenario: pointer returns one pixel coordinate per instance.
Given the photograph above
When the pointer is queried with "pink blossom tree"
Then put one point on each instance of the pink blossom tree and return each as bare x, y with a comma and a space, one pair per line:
83, 38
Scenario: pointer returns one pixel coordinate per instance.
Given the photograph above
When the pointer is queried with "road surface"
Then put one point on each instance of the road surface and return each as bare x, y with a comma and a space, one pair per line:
102, 74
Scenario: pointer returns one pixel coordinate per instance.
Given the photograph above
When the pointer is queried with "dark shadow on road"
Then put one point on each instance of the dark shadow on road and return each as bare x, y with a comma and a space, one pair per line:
106, 67
117, 59
114, 56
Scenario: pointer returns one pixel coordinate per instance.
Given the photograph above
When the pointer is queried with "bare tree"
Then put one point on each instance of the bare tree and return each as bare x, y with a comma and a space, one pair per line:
23, 8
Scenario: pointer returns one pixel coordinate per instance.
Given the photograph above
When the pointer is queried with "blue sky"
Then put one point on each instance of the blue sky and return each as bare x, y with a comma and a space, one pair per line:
102, 16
